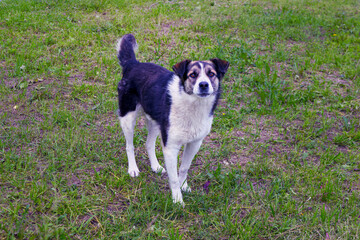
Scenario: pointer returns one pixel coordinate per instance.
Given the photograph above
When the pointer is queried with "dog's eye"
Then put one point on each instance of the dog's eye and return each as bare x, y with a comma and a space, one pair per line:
211, 74
193, 75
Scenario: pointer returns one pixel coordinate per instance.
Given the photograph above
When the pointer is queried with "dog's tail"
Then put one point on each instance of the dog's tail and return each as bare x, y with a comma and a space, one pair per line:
125, 48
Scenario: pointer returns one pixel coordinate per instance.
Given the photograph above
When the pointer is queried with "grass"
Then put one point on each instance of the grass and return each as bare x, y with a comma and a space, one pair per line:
282, 160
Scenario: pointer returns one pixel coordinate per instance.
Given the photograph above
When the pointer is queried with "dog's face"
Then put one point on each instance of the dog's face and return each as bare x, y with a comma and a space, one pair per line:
201, 78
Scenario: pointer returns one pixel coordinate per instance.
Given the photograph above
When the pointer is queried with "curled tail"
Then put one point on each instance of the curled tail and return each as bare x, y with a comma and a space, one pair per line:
125, 48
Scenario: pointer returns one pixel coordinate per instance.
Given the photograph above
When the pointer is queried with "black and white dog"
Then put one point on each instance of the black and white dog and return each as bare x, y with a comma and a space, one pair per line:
177, 105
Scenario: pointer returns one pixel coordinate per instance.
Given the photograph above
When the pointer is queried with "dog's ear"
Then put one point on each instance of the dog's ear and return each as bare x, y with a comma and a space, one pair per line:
180, 69
221, 66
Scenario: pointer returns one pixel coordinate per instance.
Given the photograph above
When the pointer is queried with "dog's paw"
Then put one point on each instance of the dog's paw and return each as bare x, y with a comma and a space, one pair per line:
159, 169
134, 172
185, 188
179, 201
177, 197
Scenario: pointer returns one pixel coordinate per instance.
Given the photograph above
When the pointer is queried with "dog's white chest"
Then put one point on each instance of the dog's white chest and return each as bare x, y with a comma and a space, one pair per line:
190, 119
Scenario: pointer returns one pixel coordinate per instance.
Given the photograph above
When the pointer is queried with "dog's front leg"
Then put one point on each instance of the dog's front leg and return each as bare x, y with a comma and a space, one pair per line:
189, 153
170, 156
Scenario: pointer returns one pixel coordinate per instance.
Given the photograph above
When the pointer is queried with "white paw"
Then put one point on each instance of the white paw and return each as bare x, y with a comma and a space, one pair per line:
177, 201
177, 197
134, 172
185, 187
159, 169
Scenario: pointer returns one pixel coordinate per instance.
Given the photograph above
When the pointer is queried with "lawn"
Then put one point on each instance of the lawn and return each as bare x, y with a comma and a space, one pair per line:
282, 160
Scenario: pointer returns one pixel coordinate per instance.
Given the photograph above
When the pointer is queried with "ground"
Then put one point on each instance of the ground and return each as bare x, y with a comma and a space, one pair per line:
282, 159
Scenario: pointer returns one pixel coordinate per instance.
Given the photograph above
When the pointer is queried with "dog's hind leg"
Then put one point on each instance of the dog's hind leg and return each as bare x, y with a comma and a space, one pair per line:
190, 150
128, 124
153, 132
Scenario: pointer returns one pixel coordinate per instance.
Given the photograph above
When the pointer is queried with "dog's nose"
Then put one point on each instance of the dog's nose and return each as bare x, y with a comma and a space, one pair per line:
203, 86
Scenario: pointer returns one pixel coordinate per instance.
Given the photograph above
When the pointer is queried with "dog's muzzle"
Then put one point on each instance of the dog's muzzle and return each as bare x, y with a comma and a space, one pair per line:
204, 89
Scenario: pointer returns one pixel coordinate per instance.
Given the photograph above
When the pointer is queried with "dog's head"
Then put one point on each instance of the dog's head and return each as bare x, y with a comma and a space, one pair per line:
201, 78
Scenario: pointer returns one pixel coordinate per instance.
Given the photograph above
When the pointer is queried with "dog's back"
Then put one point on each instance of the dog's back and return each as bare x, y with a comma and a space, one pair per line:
142, 84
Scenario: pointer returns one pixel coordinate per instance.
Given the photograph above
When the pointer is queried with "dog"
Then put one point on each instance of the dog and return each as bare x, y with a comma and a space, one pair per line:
179, 106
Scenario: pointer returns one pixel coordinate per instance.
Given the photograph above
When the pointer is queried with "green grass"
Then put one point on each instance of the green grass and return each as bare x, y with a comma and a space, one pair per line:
282, 160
